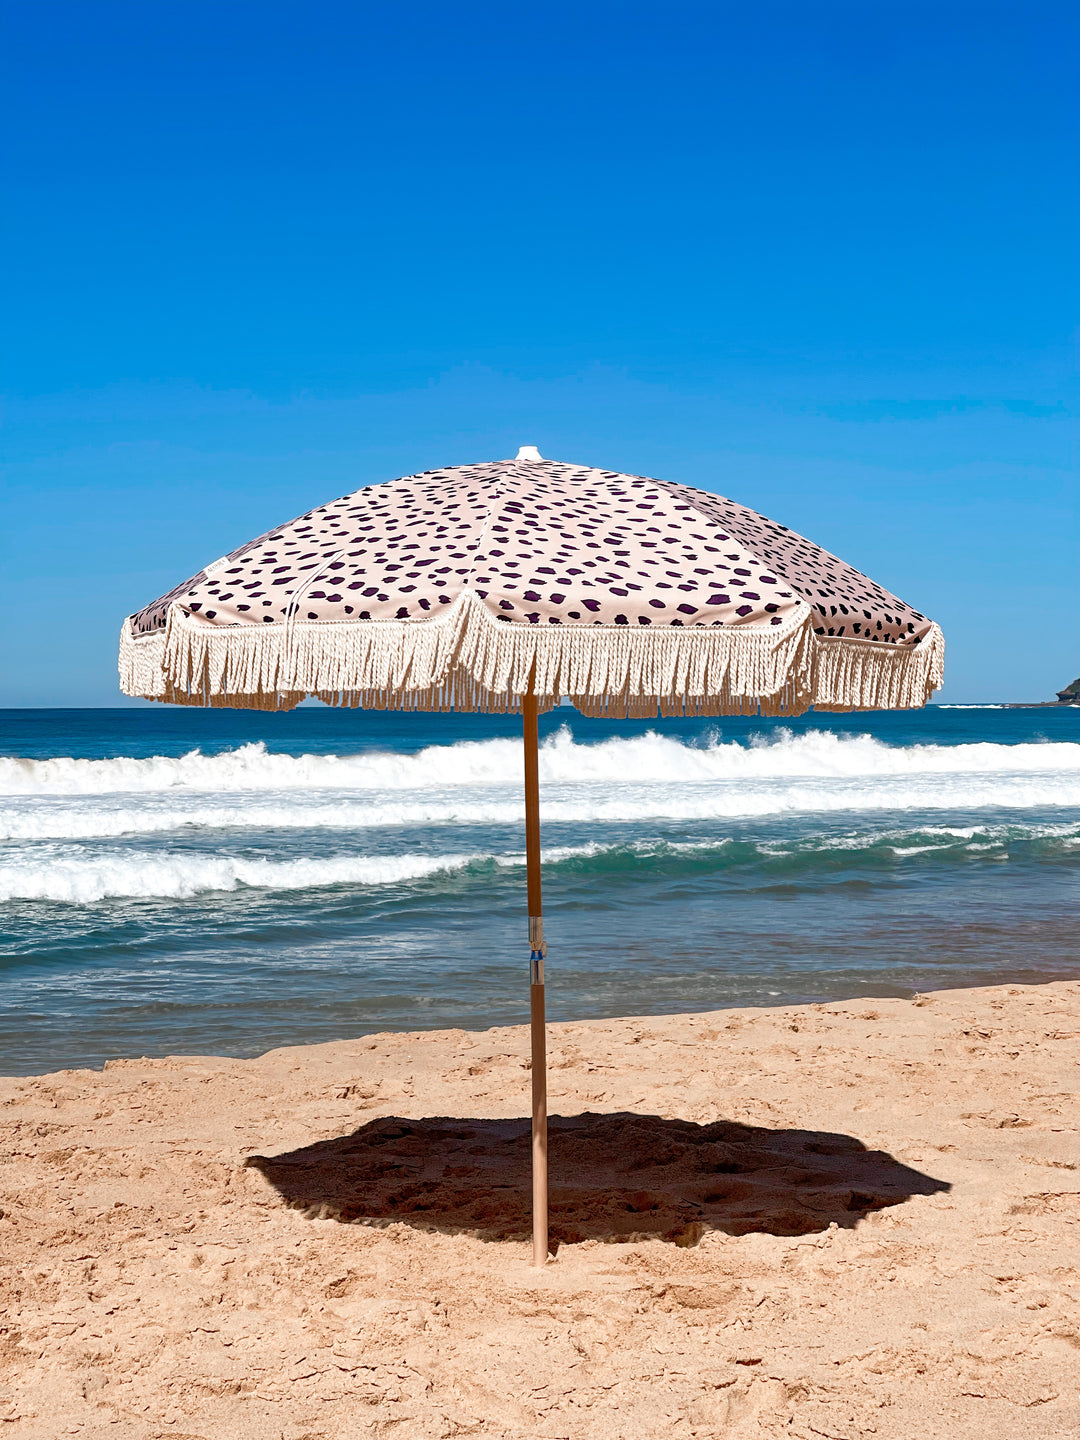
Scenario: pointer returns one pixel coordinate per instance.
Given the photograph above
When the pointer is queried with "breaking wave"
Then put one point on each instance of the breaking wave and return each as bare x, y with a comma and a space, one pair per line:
816, 754
71, 874
629, 802
85, 879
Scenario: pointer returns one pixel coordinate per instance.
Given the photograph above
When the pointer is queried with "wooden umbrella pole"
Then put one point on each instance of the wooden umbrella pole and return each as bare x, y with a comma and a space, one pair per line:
536, 977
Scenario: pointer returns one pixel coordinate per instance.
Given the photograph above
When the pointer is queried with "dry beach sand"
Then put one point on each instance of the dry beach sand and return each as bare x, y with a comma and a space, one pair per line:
840, 1220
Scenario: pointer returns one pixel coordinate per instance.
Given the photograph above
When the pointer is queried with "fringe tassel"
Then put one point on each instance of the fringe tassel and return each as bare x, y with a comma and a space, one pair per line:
465, 660
859, 675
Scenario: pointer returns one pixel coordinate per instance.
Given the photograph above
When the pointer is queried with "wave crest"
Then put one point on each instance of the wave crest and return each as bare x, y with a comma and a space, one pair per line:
651, 757
71, 875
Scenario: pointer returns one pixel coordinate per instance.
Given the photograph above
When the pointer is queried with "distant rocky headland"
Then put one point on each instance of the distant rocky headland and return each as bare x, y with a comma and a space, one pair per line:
1069, 696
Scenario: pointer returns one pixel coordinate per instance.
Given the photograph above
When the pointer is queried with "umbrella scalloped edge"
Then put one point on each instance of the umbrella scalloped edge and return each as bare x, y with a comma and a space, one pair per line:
467, 661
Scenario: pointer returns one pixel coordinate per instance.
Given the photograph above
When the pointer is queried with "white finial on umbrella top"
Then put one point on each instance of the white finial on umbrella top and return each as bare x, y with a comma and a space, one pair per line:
528, 452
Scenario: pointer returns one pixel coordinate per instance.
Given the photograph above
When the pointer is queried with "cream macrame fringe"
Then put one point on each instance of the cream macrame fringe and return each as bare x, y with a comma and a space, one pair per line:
860, 675
465, 660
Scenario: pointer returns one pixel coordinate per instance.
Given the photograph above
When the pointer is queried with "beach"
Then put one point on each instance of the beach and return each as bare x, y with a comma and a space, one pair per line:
841, 1219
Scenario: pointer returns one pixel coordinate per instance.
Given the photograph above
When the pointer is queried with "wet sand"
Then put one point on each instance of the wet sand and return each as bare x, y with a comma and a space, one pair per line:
840, 1220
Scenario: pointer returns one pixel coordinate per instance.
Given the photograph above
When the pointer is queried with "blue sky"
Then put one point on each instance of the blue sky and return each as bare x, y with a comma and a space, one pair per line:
821, 258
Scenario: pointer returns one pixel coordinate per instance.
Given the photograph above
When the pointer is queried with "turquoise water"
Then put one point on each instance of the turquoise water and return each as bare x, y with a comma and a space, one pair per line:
180, 881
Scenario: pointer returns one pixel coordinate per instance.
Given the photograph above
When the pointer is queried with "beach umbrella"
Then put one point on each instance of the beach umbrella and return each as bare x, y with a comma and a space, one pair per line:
513, 586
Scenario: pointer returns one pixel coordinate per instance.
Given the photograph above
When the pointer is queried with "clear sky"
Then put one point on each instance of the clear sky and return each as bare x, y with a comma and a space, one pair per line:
819, 257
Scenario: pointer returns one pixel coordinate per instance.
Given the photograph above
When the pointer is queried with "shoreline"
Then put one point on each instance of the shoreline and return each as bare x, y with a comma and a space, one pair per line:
835, 1219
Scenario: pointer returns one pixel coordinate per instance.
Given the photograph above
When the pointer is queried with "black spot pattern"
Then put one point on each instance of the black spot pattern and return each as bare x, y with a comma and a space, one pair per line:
538, 543
844, 601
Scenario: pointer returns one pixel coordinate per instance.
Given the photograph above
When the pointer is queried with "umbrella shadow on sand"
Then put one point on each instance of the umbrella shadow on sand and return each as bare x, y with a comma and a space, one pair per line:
613, 1177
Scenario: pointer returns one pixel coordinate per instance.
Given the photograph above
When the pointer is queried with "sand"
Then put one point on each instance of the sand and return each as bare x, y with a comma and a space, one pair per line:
840, 1220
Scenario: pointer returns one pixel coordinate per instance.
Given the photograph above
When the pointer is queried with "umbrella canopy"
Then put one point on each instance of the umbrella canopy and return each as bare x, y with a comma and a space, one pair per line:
517, 584
469, 586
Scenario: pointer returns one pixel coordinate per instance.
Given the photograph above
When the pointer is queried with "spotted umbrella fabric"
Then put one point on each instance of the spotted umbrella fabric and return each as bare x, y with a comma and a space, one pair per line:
471, 585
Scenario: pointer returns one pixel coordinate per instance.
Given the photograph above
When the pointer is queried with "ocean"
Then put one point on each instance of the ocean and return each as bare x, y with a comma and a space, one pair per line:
179, 881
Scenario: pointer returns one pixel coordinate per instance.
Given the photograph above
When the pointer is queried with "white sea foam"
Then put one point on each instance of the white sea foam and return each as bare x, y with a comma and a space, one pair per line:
642, 778
627, 800
81, 875
625, 803
84, 879
469, 764
72, 874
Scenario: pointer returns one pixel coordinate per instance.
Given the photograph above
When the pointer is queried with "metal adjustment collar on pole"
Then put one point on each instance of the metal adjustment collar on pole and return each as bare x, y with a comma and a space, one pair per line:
537, 949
